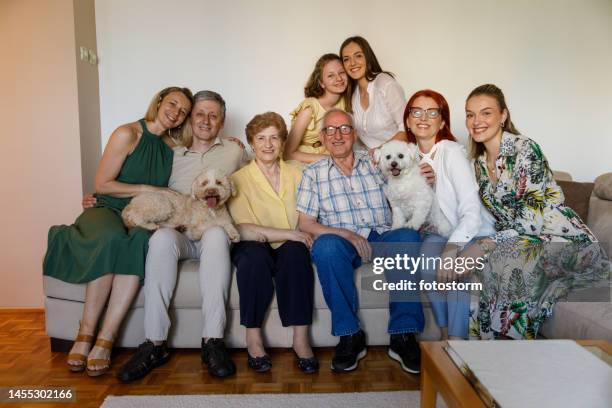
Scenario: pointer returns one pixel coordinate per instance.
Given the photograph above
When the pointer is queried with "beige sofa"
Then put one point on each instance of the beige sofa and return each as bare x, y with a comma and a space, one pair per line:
64, 301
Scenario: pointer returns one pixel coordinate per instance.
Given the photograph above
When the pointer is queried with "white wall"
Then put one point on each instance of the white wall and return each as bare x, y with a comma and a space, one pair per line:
552, 58
40, 163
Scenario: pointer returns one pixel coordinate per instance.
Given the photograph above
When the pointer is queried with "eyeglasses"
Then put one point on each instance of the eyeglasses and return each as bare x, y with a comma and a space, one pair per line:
331, 130
431, 113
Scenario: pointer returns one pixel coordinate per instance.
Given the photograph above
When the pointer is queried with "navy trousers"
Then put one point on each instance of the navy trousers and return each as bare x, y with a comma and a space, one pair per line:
259, 267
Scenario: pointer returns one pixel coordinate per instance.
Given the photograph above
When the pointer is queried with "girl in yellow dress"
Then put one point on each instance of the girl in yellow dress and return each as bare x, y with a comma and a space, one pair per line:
323, 91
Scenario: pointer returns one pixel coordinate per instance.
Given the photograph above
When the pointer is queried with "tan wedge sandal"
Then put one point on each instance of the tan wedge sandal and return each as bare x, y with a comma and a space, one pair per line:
81, 358
105, 362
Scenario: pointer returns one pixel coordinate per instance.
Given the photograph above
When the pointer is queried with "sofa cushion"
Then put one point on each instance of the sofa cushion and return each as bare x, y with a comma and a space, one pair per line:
368, 299
57, 289
577, 196
603, 186
580, 320
187, 294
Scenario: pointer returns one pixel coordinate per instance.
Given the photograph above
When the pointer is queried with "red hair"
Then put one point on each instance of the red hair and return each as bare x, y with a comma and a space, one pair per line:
444, 133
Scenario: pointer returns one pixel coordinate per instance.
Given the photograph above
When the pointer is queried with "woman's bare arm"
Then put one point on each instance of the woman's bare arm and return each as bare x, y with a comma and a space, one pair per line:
121, 143
295, 139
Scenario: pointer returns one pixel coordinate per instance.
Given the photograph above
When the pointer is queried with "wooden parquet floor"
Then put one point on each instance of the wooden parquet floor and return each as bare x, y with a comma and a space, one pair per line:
26, 360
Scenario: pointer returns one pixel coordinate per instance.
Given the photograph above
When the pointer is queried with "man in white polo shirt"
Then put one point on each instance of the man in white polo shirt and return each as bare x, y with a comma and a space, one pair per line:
203, 149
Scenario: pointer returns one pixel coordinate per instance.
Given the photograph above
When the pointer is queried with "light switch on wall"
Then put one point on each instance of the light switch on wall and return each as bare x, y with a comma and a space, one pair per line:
84, 54
88, 55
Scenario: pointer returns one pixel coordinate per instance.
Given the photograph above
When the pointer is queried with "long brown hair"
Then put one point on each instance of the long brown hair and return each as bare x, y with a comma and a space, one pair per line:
373, 68
444, 133
313, 87
478, 148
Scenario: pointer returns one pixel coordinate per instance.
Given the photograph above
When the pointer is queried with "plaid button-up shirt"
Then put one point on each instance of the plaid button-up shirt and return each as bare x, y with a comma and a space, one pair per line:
356, 202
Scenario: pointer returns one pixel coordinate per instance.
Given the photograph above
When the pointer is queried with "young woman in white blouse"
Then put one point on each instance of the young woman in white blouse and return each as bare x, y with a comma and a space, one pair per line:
427, 123
374, 97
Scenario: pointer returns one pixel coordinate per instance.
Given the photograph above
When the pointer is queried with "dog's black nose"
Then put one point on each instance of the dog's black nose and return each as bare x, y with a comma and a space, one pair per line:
393, 164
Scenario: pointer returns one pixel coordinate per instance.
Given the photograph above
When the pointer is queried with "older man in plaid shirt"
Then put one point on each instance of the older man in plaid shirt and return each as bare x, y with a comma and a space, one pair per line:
341, 203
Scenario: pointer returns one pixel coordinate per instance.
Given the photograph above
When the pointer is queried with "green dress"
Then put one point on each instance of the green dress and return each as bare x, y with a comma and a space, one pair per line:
98, 243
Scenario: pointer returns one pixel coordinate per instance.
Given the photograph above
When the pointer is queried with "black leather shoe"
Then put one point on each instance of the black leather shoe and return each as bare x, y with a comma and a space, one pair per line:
307, 365
147, 357
349, 351
216, 357
405, 349
260, 364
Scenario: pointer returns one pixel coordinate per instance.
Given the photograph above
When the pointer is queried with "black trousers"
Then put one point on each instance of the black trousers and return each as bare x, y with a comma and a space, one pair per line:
257, 265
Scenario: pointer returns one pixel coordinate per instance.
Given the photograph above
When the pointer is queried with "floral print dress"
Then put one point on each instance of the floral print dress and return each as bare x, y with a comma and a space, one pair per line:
543, 247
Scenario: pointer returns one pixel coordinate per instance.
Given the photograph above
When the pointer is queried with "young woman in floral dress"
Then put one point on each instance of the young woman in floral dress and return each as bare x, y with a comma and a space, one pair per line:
541, 249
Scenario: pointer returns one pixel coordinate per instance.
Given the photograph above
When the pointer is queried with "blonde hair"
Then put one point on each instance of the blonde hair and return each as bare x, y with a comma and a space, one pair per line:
151, 113
185, 137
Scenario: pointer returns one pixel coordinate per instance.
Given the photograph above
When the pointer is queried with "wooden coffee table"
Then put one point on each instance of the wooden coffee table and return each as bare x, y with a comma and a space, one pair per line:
440, 375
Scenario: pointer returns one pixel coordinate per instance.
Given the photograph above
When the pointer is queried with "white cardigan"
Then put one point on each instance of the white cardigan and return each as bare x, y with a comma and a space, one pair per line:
457, 193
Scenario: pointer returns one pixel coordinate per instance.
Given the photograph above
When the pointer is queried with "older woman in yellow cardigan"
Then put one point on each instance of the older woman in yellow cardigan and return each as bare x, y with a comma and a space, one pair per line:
265, 205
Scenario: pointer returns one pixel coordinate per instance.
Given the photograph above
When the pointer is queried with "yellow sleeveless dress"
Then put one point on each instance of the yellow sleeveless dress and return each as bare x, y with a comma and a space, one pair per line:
310, 142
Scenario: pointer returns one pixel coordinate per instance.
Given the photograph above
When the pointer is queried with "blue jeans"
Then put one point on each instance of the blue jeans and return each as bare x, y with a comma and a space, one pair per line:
336, 259
450, 308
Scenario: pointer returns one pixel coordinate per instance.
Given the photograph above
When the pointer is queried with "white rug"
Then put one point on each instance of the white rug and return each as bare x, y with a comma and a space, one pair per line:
397, 399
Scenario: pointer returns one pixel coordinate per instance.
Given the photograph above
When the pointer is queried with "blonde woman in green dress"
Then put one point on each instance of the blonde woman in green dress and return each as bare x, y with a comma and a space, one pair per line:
97, 249
541, 249
323, 91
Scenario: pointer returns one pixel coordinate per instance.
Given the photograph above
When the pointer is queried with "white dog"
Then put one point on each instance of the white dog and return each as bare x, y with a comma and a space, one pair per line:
412, 201
204, 209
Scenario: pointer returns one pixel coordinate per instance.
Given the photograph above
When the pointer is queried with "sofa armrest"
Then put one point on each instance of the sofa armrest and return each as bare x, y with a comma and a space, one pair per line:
600, 211
559, 175
600, 222
577, 196
603, 187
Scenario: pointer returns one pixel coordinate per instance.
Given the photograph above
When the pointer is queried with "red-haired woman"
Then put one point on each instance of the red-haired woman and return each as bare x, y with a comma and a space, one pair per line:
427, 124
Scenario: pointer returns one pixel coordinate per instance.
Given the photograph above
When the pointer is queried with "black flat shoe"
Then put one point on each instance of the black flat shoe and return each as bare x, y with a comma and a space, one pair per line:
307, 365
260, 364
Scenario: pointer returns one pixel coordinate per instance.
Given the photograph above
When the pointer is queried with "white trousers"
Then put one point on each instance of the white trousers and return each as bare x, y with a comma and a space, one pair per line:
166, 248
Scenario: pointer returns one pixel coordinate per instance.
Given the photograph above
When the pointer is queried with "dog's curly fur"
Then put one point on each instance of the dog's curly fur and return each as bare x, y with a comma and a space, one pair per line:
412, 201
193, 215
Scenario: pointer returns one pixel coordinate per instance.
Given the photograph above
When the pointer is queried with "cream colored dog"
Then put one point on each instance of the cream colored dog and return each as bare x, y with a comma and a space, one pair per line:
412, 201
193, 215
